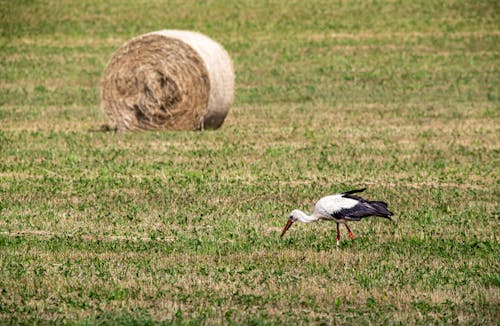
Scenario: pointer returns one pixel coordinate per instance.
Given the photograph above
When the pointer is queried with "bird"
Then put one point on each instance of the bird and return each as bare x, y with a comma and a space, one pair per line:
341, 208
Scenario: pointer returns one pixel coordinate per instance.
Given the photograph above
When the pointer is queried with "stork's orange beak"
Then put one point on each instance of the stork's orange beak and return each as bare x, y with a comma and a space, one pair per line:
287, 226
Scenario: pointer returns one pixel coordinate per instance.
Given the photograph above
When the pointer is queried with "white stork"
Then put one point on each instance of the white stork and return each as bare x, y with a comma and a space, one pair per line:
341, 208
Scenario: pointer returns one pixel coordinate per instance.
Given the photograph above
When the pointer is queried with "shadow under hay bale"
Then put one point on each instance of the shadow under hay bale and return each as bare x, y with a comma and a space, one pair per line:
168, 80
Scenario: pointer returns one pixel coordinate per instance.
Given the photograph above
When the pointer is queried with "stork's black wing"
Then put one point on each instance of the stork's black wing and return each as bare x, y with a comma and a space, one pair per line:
364, 209
353, 191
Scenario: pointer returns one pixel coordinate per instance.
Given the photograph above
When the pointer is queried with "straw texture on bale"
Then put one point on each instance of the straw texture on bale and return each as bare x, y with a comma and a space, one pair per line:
170, 79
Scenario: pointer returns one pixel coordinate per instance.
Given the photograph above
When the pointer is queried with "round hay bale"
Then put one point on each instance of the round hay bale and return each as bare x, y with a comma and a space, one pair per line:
170, 79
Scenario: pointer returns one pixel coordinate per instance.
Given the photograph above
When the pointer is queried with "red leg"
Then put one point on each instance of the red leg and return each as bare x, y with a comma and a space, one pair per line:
338, 234
350, 232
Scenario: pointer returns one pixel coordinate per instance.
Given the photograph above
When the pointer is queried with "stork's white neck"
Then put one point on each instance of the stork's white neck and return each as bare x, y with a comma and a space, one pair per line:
303, 217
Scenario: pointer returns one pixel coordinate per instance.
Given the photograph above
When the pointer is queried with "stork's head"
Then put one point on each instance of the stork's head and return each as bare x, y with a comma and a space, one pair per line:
294, 216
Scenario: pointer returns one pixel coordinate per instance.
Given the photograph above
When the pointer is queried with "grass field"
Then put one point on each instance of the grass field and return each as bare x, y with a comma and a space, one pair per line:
399, 96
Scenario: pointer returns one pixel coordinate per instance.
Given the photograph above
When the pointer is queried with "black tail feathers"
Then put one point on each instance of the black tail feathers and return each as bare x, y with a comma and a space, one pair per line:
353, 191
381, 209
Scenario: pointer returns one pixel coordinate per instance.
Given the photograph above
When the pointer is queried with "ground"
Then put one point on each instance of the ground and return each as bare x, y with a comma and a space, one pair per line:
401, 97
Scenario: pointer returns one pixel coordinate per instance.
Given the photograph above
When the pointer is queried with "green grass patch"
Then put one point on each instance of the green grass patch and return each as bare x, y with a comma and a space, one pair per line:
183, 227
